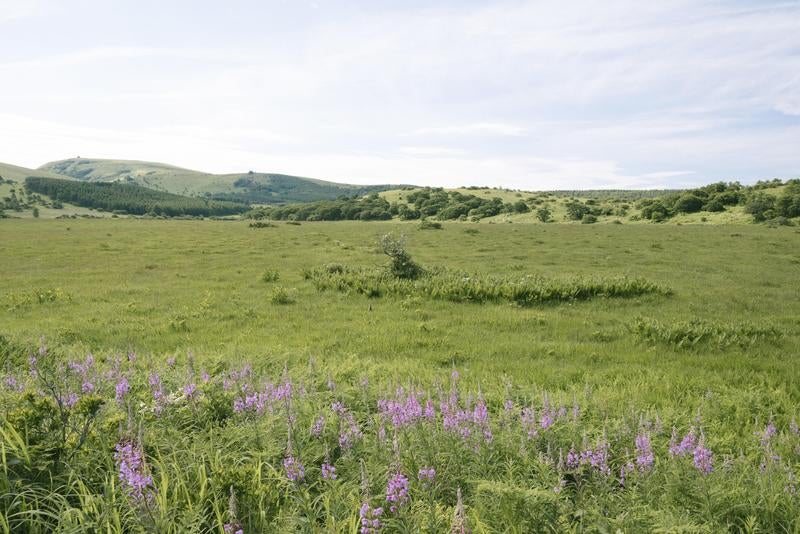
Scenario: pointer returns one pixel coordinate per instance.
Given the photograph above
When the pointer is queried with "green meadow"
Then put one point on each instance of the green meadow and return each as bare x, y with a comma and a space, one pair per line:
716, 352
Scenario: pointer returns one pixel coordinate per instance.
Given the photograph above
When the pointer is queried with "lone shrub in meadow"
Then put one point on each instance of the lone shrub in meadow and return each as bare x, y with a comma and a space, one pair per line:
401, 266
270, 275
281, 296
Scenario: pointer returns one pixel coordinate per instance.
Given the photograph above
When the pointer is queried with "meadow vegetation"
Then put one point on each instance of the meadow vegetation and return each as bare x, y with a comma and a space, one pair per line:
190, 376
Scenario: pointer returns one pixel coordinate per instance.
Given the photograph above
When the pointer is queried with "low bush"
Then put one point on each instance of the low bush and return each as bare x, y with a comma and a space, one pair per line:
702, 333
281, 296
425, 224
270, 275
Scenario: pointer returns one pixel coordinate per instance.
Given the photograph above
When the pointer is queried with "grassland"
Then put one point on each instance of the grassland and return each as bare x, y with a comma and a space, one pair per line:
173, 288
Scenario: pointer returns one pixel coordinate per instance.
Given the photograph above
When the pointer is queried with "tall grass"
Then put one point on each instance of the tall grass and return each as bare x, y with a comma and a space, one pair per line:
215, 445
456, 286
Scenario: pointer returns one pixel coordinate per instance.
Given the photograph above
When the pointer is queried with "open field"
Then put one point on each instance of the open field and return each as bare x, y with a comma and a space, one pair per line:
717, 354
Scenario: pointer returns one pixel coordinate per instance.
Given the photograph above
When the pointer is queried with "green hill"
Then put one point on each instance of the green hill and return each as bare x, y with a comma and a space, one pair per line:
129, 198
18, 174
250, 187
17, 202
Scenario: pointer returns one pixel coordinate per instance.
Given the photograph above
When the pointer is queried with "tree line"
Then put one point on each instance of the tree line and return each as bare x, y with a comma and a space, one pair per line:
420, 204
129, 199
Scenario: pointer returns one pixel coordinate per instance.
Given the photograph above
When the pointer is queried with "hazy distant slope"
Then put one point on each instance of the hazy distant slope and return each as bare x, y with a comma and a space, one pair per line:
18, 174
251, 187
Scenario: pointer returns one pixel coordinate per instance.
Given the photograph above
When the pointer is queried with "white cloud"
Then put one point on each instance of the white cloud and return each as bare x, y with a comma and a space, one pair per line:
478, 128
431, 151
501, 93
13, 10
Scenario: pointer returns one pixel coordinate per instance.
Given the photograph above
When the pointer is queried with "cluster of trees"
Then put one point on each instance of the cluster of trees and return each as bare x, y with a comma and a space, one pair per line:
713, 198
131, 199
719, 196
429, 202
589, 210
451, 205
763, 206
369, 208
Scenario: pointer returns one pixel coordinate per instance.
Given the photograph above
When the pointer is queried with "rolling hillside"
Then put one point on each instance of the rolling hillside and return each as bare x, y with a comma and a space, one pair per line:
250, 187
18, 174
16, 202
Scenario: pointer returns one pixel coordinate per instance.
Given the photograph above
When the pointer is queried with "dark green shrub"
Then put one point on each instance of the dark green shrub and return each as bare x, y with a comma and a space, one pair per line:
760, 206
688, 203
576, 210
544, 214
588, 219
714, 205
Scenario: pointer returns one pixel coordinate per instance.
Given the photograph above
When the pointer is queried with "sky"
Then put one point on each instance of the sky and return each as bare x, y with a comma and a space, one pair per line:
566, 94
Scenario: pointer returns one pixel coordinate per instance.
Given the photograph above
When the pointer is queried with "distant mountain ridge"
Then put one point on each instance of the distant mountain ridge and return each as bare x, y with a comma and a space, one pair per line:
250, 187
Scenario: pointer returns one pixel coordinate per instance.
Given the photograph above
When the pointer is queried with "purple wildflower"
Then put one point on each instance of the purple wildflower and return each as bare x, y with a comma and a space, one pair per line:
426, 475
397, 491
294, 469
328, 471
573, 459
132, 469
370, 518
189, 390
703, 458
318, 426
430, 410
12, 383
122, 388
644, 452
686, 445
71, 400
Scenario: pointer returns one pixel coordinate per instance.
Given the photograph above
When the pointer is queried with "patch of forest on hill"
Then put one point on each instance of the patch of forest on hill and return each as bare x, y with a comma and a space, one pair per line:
130, 199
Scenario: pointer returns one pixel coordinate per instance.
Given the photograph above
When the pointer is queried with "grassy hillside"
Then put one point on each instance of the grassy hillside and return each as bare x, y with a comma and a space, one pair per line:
18, 174
15, 202
250, 187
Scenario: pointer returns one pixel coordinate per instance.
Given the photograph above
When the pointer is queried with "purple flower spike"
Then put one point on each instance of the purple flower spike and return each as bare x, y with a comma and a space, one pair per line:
132, 469
328, 471
703, 458
122, 389
294, 469
644, 452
